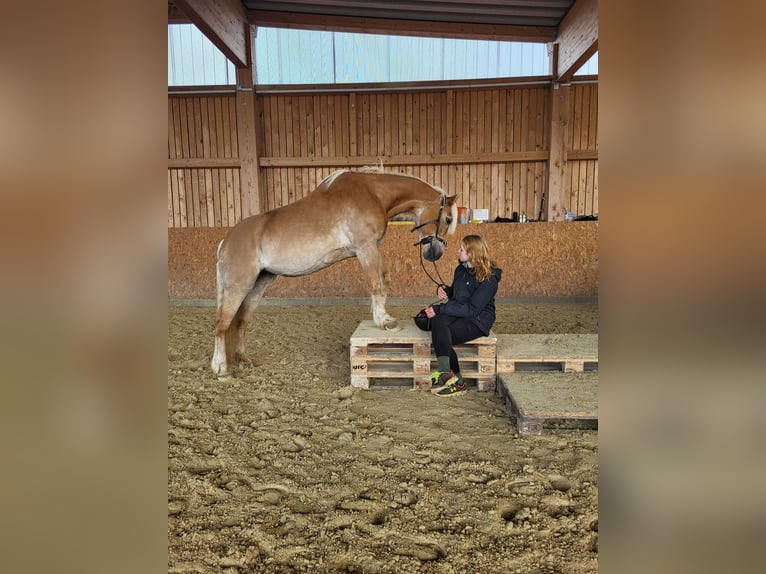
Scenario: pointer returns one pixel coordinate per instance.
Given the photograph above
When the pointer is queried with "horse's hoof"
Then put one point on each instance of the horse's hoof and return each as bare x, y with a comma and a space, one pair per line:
393, 326
223, 376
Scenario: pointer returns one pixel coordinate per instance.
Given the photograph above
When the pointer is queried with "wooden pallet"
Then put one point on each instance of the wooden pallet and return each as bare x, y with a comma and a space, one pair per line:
563, 352
404, 358
541, 400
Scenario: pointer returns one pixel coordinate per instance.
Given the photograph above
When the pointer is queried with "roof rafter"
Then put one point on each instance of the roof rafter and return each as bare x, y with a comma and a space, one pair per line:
225, 24
402, 27
577, 39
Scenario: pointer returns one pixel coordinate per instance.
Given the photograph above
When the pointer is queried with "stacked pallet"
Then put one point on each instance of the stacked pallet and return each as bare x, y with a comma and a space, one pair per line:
548, 379
404, 358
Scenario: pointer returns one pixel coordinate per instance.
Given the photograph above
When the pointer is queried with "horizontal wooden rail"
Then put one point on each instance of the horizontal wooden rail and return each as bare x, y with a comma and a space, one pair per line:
203, 162
573, 155
428, 159
322, 161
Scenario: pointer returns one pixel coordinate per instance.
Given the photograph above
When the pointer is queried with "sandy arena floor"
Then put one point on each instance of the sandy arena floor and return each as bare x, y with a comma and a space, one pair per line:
286, 468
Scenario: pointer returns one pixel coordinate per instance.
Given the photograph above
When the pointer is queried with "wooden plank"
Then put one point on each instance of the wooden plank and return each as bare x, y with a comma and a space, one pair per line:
367, 332
575, 155
364, 124
289, 127
513, 350
537, 398
198, 182
450, 124
576, 117
557, 164
592, 143
326, 125
282, 122
235, 194
206, 191
420, 129
409, 111
203, 163
170, 199
373, 113
173, 127
182, 198
239, 208
352, 123
173, 130
317, 134
328, 110
582, 188
485, 172
595, 188
340, 128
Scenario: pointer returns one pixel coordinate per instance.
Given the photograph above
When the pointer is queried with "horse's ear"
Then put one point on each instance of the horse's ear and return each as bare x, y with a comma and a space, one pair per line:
451, 199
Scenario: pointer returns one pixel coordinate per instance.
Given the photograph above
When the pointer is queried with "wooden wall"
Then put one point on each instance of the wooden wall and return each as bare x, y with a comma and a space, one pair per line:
582, 141
203, 175
488, 143
550, 259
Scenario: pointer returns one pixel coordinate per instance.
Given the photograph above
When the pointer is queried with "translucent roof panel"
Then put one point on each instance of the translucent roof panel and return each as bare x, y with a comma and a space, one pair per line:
316, 57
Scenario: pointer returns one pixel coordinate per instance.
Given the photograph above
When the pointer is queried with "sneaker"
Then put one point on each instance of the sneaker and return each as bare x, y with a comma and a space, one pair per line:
442, 378
451, 390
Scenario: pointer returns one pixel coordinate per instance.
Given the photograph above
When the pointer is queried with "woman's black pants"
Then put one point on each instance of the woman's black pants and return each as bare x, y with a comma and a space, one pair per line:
447, 331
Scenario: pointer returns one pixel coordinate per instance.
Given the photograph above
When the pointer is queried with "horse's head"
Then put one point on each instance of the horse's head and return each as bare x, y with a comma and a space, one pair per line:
437, 217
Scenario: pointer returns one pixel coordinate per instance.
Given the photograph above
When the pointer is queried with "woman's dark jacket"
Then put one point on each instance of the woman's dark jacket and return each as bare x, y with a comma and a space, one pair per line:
471, 299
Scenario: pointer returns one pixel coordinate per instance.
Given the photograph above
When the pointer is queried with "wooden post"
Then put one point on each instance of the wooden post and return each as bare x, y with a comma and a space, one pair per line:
558, 191
247, 134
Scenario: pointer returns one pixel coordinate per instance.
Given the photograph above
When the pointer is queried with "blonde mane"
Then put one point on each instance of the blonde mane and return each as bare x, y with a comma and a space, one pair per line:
328, 181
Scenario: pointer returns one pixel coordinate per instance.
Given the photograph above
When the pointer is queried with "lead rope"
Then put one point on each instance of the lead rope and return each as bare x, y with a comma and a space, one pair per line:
428, 274
437, 221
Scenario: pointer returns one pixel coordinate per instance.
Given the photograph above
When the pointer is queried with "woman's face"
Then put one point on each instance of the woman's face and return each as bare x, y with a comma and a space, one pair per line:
462, 254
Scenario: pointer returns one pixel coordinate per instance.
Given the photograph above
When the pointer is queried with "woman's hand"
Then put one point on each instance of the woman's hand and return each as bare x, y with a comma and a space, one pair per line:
430, 313
441, 293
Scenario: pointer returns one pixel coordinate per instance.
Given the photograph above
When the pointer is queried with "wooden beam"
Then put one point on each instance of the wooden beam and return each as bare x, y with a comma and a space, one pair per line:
204, 163
558, 192
175, 16
426, 159
247, 136
577, 39
225, 24
582, 154
470, 31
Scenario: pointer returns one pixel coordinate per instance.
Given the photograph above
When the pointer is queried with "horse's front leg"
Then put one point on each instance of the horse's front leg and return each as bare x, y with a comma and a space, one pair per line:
374, 268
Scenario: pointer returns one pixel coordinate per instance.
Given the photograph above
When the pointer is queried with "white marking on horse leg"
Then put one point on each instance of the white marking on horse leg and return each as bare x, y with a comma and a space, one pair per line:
373, 266
226, 327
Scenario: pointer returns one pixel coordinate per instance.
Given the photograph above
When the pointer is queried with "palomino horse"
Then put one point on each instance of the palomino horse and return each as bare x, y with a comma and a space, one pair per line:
345, 216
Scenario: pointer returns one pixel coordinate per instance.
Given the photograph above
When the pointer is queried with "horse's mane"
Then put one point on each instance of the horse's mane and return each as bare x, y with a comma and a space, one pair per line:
377, 169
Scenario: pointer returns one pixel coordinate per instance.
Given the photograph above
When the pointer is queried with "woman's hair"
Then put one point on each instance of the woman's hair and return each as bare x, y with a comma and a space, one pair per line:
478, 255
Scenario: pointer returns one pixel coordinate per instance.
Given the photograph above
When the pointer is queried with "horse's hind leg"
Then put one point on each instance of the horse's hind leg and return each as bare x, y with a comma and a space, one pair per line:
373, 266
226, 328
245, 312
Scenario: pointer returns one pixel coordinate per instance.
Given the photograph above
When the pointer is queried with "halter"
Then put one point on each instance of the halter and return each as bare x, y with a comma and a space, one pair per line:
435, 235
430, 239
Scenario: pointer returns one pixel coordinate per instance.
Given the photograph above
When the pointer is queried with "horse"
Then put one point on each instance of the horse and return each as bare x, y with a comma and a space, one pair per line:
345, 216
